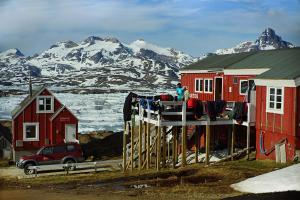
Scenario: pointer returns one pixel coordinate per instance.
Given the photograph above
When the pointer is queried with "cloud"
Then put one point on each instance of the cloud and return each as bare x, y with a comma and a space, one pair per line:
34, 25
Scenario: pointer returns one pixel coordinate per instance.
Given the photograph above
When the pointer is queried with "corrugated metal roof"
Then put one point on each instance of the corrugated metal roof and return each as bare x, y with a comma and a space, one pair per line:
217, 61
283, 63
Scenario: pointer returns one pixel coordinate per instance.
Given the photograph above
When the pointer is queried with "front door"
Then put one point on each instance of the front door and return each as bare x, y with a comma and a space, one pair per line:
218, 88
70, 135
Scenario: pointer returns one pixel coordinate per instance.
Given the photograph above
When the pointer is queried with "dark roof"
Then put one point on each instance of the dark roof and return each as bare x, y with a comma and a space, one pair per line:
5, 132
283, 63
22, 105
217, 61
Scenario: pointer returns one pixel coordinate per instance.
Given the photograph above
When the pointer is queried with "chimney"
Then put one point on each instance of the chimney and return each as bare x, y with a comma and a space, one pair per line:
30, 84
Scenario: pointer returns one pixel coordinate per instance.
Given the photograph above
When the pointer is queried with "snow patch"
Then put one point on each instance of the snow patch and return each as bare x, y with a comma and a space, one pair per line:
286, 179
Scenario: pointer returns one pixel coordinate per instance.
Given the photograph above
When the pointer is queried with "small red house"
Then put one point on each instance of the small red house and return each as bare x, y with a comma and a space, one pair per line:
275, 97
41, 119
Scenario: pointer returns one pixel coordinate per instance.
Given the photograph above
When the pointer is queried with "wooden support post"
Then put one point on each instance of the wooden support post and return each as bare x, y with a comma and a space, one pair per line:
164, 146
183, 140
132, 141
168, 150
148, 146
207, 144
233, 140
197, 133
173, 146
248, 140
124, 147
229, 134
145, 141
158, 148
183, 135
140, 143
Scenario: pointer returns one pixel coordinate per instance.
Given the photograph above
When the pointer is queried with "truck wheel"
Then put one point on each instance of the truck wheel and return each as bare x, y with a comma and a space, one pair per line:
29, 171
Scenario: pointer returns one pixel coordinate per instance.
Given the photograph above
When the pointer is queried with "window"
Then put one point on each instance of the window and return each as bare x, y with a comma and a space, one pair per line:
275, 100
59, 149
47, 151
235, 80
243, 87
70, 148
208, 85
198, 85
31, 132
45, 104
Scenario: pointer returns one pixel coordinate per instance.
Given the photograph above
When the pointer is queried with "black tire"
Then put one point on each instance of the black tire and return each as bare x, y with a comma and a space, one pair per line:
29, 171
70, 161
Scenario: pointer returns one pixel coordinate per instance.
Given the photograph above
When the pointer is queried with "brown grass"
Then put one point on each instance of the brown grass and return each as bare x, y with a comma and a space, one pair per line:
192, 182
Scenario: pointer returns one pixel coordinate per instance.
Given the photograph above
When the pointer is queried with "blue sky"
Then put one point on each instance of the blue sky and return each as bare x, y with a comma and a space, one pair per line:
193, 26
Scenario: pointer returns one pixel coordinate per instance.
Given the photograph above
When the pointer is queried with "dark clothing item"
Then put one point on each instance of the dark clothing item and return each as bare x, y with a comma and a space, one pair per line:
198, 110
240, 112
195, 106
211, 110
127, 110
220, 106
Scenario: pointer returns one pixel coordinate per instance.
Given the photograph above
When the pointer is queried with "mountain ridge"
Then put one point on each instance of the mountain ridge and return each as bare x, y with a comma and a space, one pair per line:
267, 40
106, 63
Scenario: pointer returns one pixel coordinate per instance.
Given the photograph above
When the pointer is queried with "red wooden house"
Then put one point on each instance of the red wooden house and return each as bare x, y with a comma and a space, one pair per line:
41, 119
275, 113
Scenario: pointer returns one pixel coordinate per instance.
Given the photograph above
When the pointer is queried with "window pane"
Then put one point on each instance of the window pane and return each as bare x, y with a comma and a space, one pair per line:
201, 85
244, 87
30, 131
48, 101
210, 85
272, 98
235, 80
41, 107
48, 107
59, 149
197, 85
278, 99
70, 148
41, 101
47, 151
279, 91
278, 105
206, 85
272, 90
271, 105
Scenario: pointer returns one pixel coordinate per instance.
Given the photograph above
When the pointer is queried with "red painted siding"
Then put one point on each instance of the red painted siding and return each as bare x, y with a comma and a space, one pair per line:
29, 115
276, 127
298, 119
228, 84
59, 124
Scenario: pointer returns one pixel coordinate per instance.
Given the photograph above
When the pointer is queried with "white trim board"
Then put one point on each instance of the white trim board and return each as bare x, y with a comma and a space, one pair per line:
245, 71
37, 131
275, 83
199, 71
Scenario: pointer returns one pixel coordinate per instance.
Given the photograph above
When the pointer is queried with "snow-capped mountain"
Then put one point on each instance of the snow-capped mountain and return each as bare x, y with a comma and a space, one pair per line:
266, 41
105, 63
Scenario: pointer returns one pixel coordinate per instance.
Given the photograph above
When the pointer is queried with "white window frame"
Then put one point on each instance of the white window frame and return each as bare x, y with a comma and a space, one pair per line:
44, 111
36, 124
275, 110
200, 80
240, 88
210, 85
